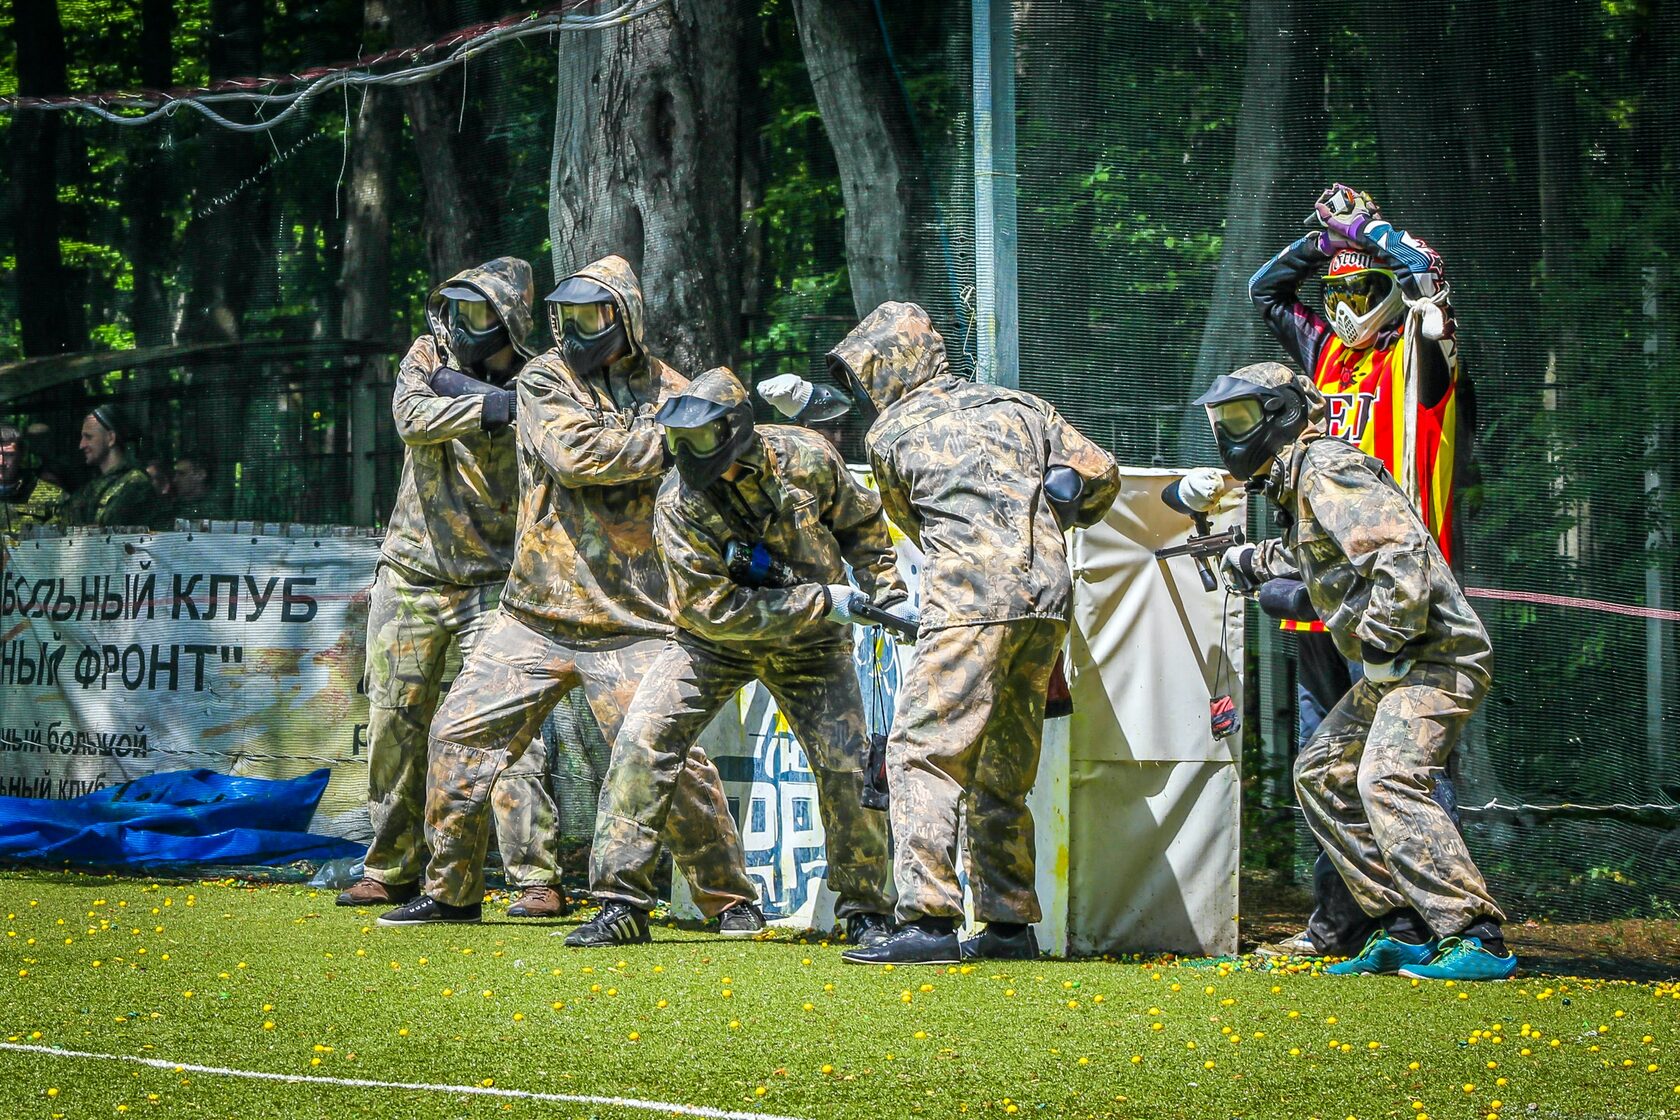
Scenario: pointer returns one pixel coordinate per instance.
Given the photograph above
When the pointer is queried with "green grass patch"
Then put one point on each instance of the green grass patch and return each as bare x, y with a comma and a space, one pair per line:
277, 979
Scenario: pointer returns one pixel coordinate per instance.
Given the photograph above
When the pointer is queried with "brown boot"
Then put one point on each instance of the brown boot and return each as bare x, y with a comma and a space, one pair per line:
539, 901
371, 892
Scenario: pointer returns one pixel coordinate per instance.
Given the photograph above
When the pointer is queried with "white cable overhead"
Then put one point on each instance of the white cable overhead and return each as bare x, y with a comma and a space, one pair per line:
163, 106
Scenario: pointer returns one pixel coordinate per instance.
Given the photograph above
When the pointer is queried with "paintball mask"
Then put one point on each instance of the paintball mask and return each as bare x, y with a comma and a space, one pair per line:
854, 388
586, 325
476, 332
707, 426
1359, 298
1256, 412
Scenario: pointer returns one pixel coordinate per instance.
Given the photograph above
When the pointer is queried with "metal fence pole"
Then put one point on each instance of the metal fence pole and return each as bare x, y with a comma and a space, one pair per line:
996, 288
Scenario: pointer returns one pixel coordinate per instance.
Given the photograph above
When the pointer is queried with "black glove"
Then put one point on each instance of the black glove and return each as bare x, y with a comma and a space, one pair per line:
447, 381
501, 408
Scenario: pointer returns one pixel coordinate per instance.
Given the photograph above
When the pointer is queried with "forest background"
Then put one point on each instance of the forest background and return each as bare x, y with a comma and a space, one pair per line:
777, 167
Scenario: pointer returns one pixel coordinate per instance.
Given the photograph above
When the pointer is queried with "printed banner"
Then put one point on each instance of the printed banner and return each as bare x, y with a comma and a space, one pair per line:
122, 656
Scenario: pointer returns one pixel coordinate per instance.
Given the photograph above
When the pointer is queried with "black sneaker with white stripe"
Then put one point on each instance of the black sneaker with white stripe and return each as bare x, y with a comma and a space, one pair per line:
618, 923
744, 919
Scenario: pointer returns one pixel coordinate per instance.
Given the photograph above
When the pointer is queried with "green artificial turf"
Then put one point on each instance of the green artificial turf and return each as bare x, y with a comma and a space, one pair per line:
276, 978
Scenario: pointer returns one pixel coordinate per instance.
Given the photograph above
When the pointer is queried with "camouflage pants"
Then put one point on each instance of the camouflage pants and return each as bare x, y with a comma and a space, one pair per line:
816, 688
965, 739
410, 626
1364, 782
514, 678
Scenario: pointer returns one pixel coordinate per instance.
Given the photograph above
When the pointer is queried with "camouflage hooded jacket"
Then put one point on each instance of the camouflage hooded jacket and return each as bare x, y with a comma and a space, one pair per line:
590, 462
961, 470
799, 500
454, 517
1374, 574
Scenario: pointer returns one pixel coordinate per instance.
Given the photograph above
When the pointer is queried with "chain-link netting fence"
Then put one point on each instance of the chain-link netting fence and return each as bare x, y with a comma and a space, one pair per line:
775, 167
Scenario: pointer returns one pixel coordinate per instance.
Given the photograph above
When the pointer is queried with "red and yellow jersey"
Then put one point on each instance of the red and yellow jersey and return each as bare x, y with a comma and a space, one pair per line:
1362, 392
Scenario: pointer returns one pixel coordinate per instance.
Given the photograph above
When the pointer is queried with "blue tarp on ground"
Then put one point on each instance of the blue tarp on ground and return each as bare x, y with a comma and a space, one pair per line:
178, 818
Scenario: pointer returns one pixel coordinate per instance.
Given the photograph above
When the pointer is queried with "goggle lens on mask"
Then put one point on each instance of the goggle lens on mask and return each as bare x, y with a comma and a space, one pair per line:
1358, 292
1236, 418
475, 315
589, 319
703, 441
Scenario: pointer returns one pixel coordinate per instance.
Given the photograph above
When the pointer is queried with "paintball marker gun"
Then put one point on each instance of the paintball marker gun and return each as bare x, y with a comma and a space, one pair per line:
753, 566
1204, 546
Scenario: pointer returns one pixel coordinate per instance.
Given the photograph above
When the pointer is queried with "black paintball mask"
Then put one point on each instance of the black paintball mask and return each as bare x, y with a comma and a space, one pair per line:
708, 426
587, 327
476, 330
1256, 412
849, 383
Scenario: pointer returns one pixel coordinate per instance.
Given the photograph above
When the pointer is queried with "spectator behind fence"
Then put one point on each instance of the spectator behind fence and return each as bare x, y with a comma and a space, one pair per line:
121, 495
25, 497
190, 488
158, 471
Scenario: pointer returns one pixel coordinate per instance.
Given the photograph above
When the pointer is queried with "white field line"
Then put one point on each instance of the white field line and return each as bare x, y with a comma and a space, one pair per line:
415, 1087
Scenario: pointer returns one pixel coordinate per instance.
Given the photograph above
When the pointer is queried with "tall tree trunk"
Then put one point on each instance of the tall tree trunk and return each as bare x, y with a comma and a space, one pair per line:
455, 216
1274, 179
149, 188
229, 237
647, 165
881, 175
365, 281
48, 303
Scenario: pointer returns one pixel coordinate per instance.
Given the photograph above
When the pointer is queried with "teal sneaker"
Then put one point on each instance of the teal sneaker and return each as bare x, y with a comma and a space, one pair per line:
1463, 958
1383, 954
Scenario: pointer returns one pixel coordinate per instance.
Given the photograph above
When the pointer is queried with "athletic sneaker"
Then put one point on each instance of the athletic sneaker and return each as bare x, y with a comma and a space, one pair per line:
371, 892
1383, 954
741, 920
618, 923
864, 930
924, 941
539, 901
996, 945
1463, 958
1301, 945
424, 910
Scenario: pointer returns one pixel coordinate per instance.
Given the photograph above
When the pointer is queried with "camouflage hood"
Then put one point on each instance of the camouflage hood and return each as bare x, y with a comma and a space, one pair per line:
894, 350
508, 284
1284, 479
615, 274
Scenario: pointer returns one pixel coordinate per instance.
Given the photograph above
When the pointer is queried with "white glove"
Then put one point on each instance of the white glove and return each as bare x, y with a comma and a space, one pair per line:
1237, 568
1387, 672
908, 613
787, 393
840, 596
1201, 488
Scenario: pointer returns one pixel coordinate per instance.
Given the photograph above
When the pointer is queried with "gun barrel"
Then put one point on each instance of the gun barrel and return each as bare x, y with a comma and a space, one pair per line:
882, 617
1210, 544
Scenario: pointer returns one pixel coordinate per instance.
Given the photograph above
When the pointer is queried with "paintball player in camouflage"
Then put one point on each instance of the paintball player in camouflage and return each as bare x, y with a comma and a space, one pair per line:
26, 499
1378, 580
1371, 360
585, 603
962, 469
785, 491
447, 549
121, 495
